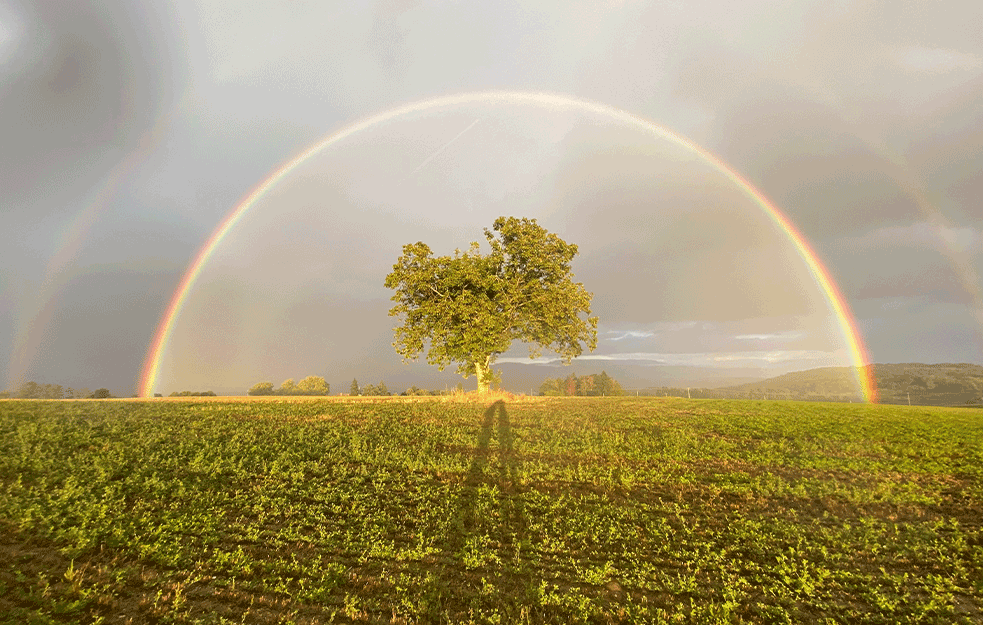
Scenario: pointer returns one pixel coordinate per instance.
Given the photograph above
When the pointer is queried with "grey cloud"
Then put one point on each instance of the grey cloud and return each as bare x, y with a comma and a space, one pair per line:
92, 78
902, 326
922, 235
845, 114
763, 359
101, 326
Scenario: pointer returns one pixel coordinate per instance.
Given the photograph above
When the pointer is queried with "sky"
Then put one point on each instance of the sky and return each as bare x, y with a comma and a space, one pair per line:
131, 132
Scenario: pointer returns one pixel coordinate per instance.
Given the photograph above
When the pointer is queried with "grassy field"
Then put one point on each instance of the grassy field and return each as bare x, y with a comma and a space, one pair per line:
563, 510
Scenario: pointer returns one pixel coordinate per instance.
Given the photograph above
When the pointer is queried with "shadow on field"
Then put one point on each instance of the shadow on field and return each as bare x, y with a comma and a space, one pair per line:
490, 508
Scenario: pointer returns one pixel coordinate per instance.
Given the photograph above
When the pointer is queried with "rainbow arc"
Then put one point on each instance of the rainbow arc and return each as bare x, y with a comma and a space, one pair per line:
846, 322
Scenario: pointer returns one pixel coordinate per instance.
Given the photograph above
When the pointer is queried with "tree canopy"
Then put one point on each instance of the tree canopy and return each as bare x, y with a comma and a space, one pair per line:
470, 307
262, 388
311, 385
595, 384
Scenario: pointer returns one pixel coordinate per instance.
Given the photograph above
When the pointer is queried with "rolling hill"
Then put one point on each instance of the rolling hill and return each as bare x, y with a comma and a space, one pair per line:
943, 384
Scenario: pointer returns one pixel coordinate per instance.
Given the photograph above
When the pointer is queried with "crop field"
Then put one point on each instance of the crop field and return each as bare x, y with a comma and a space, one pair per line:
548, 510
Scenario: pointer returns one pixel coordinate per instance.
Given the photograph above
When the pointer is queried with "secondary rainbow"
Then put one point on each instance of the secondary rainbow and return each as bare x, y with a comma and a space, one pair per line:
847, 325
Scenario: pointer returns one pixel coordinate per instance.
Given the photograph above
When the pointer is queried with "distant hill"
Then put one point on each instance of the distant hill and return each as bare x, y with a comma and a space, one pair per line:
927, 385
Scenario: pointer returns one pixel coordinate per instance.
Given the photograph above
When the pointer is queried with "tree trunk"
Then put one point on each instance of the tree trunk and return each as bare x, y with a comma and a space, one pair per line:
482, 371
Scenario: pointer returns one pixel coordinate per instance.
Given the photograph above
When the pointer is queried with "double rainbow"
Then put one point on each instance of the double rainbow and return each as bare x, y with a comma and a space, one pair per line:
847, 324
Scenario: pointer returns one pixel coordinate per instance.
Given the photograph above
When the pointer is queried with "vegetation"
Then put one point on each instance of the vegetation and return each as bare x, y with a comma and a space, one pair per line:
915, 383
192, 394
549, 510
311, 385
33, 390
593, 385
378, 390
413, 391
470, 307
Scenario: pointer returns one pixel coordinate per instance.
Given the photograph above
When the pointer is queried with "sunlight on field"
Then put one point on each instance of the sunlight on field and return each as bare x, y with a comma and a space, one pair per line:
539, 510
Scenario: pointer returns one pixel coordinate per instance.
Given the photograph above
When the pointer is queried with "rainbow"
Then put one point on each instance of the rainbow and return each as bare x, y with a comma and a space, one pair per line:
847, 324
62, 268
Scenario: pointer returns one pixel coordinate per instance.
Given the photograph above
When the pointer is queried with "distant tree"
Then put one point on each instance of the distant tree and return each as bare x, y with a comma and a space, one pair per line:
287, 387
157, 395
261, 388
4, 394
603, 384
101, 393
470, 307
52, 391
29, 390
608, 386
353, 390
550, 388
371, 390
313, 385
83, 393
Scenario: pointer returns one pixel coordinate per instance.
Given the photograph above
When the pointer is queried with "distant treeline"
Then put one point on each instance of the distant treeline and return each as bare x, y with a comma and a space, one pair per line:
311, 385
33, 390
381, 390
593, 385
315, 385
191, 394
369, 390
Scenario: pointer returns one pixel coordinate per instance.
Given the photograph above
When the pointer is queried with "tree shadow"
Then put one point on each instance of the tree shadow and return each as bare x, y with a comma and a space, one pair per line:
491, 502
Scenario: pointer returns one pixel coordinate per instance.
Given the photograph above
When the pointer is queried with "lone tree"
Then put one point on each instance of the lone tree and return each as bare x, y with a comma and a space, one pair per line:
471, 307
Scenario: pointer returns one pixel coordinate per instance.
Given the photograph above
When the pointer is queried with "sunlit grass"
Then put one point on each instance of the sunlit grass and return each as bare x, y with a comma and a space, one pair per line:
460, 509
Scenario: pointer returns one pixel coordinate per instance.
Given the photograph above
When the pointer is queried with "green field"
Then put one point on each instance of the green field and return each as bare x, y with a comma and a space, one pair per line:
564, 510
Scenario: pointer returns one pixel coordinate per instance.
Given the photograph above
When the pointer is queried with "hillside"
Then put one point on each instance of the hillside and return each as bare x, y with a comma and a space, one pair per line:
942, 384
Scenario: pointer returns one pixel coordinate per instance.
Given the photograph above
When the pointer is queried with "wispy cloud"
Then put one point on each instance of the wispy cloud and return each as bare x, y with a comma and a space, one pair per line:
632, 334
787, 336
655, 329
703, 359
772, 357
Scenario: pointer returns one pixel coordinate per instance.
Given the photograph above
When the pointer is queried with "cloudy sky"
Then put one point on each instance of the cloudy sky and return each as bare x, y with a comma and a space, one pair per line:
129, 132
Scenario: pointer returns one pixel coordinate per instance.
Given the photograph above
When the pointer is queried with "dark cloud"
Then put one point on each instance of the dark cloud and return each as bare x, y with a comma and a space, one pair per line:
92, 78
898, 328
102, 324
809, 164
699, 248
912, 274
